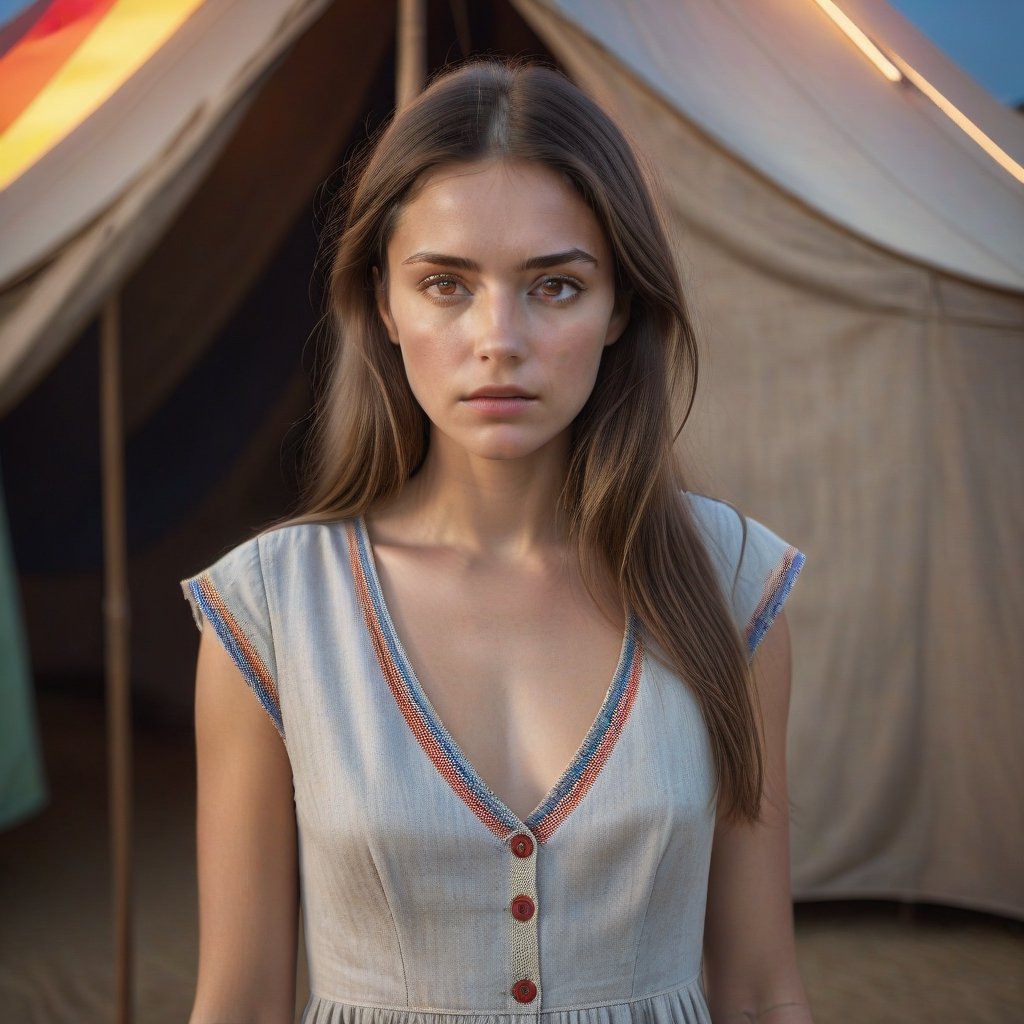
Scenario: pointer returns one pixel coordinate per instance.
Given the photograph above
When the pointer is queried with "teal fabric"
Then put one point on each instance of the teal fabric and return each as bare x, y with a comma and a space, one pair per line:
22, 787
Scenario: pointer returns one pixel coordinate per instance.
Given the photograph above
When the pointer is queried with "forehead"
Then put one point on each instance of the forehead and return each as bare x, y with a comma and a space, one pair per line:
506, 205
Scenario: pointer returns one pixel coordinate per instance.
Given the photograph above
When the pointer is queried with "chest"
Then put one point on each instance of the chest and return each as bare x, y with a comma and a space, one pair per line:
515, 665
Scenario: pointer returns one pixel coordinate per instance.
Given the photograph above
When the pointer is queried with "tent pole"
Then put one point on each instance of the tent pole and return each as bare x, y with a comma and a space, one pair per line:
412, 51
118, 681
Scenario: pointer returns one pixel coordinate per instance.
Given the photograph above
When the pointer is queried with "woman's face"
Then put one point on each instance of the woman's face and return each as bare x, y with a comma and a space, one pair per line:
500, 294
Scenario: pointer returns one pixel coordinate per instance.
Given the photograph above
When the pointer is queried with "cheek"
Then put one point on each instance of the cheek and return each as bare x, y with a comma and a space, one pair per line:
571, 367
582, 348
419, 368
406, 317
428, 355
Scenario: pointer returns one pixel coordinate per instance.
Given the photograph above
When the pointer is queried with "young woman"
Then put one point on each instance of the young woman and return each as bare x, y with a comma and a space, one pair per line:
521, 748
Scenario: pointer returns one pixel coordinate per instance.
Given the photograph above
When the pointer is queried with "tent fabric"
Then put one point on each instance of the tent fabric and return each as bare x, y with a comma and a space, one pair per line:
196, 67
867, 407
780, 87
287, 144
80, 218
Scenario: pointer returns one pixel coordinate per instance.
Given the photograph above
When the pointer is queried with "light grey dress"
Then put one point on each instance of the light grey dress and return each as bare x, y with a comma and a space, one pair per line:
425, 899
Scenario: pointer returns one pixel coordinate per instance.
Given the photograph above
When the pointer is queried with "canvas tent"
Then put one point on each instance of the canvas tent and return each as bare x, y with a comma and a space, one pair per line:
856, 265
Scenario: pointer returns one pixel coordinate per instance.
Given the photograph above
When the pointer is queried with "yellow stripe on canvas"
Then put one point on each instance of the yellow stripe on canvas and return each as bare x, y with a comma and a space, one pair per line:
131, 32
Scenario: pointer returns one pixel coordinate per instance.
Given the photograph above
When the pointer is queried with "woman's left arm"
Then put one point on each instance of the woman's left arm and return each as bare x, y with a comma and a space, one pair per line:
750, 967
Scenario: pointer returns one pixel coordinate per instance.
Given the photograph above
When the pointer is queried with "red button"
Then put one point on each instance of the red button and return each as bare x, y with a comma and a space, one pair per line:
523, 908
522, 845
524, 991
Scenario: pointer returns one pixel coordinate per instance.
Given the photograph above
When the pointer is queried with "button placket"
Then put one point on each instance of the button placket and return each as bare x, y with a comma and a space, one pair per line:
523, 911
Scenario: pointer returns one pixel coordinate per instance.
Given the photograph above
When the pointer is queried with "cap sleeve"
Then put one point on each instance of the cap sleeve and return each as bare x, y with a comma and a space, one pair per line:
755, 568
232, 597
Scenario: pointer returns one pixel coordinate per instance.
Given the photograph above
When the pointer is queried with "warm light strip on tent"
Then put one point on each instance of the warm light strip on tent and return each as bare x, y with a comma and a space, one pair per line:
130, 33
897, 70
962, 121
862, 42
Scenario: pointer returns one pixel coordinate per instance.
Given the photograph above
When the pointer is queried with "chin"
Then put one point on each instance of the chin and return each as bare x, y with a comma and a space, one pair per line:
508, 445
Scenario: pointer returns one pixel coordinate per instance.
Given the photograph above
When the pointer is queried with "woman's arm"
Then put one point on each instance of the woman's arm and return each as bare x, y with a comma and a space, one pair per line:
248, 878
750, 964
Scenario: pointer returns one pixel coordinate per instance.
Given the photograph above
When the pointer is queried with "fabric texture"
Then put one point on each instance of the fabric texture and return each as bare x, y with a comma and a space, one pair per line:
424, 896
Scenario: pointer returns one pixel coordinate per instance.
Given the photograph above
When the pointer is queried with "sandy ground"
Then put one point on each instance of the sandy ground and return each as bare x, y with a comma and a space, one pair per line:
862, 963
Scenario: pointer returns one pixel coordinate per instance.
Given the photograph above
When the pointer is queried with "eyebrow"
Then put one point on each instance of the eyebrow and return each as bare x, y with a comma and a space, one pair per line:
555, 259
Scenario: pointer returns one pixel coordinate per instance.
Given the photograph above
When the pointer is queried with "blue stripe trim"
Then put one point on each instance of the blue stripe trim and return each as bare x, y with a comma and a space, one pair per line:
231, 645
597, 733
763, 622
465, 771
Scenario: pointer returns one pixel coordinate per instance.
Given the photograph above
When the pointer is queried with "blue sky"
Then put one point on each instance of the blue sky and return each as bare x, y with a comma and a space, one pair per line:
985, 37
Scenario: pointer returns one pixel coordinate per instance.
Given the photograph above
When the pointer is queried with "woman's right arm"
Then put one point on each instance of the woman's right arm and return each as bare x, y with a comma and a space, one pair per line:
248, 875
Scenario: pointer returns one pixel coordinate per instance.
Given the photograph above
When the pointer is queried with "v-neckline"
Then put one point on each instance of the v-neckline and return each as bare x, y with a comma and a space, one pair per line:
440, 746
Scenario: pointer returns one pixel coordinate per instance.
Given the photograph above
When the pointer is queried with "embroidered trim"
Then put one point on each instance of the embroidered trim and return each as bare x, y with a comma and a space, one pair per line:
242, 650
776, 589
442, 749
439, 747
603, 735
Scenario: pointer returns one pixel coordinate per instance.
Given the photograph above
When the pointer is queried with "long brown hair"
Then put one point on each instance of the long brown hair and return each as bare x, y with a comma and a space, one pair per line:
622, 498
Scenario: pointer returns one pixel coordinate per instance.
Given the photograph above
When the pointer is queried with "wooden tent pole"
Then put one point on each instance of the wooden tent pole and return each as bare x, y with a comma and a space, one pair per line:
118, 679
412, 51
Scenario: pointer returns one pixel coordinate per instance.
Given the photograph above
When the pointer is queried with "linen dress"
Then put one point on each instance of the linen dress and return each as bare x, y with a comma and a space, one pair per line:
425, 899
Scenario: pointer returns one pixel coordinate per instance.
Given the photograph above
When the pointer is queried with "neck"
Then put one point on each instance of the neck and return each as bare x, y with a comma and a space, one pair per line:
491, 507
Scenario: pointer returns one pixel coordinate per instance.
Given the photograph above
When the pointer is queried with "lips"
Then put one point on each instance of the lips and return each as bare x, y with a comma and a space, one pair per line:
500, 402
498, 392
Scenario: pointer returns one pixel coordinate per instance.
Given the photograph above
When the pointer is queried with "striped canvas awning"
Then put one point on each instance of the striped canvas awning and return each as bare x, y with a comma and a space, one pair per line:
61, 60
111, 112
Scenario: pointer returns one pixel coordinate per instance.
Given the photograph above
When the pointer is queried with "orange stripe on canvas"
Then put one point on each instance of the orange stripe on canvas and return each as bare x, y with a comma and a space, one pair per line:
43, 50
129, 34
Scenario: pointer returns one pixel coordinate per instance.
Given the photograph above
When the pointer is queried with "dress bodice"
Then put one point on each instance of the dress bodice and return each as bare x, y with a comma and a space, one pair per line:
423, 895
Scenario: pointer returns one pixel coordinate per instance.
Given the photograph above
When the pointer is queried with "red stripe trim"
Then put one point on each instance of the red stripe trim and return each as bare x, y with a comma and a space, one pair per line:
43, 50
547, 825
400, 691
250, 653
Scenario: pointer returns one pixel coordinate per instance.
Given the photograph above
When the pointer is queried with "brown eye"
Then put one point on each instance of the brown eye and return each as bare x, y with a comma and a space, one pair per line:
559, 289
442, 286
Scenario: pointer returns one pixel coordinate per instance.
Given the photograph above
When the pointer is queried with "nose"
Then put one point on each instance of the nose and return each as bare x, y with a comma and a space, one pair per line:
499, 329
